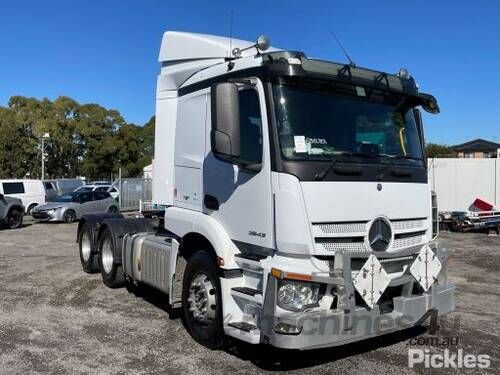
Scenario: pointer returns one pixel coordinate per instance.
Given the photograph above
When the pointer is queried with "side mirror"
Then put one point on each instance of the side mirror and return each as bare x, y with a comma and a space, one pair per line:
420, 129
1, 197
225, 133
429, 103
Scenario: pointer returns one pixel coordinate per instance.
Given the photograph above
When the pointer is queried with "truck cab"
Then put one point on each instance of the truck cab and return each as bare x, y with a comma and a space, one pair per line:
298, 209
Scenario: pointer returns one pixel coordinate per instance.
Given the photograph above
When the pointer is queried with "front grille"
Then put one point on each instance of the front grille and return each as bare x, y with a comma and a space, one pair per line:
41, 215
408, 239
334, 244
351, 236
342, 227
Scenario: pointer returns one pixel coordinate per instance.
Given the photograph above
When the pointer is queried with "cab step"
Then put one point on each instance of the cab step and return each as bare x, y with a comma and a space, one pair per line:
245, 290
249, 262
244, 326
250, 295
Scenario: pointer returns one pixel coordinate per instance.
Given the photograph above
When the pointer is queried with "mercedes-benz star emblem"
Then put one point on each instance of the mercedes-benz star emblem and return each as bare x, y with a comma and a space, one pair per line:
380, 234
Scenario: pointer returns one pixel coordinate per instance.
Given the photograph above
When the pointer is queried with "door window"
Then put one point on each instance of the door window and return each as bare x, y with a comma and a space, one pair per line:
13, 188
85, 197
101, 195
250, 126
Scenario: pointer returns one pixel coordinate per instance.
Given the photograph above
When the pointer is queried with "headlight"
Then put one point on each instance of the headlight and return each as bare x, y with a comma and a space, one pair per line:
297, 295
52, 212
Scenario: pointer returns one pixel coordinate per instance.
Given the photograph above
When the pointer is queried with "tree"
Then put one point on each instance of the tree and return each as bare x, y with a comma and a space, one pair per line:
435, 150
87, 140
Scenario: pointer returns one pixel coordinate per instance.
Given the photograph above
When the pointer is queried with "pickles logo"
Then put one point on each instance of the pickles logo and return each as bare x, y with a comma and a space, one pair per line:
447, 359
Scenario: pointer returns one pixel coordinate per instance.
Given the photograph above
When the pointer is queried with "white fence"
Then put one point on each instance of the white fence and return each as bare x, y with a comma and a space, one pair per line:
458, 182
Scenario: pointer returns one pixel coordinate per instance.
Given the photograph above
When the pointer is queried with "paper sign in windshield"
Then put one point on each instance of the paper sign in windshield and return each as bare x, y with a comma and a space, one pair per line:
300, 144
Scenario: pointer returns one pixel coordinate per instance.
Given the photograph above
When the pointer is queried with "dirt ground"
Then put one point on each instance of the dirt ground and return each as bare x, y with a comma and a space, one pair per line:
55, 319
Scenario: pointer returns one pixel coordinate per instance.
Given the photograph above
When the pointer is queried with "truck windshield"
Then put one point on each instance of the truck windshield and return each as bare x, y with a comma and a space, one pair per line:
319, 121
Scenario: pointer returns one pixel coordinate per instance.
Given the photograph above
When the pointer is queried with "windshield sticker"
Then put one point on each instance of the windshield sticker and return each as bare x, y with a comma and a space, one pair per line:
317, 141
300, 144
360, 91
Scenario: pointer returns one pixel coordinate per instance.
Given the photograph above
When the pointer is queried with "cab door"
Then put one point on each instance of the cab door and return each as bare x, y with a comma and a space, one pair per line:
237, 197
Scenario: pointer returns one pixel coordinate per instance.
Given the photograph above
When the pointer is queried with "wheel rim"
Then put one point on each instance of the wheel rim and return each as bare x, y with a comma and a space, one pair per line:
14, 220
201, 300
70, 216
85, 246
107, 255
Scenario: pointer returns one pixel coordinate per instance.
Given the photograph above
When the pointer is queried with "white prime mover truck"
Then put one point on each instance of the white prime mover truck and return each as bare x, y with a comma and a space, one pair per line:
298, 210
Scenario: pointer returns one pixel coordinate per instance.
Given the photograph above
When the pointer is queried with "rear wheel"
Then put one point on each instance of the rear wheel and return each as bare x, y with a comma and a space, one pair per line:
14, 219
201, 300
112, 210
69, 216
89, 259
112, 273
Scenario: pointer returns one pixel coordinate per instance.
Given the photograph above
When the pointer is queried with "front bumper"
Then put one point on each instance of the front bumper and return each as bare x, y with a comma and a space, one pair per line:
43, 216
406, 305
331, 328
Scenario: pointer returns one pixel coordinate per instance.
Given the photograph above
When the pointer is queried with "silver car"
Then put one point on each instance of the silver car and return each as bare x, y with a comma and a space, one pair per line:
71, 207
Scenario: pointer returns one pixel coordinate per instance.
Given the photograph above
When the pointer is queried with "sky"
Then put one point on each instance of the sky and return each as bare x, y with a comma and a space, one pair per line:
106, 51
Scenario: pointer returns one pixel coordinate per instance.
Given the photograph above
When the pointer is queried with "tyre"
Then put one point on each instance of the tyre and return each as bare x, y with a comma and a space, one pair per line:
30, 208
89, 259
14, 219
69, 216
112, 210
202, 301
112, 273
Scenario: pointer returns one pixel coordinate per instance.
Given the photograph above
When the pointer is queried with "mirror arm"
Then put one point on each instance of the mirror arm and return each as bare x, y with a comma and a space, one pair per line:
251, 167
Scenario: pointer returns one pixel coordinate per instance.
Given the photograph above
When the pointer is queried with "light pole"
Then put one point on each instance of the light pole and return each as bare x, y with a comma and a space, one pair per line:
44, 137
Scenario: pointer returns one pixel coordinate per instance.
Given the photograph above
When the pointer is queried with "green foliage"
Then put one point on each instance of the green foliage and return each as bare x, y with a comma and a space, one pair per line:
435, 150
85, 140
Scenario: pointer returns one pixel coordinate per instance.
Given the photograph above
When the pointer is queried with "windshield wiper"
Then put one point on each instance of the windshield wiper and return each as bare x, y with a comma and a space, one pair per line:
398, 157
321, 175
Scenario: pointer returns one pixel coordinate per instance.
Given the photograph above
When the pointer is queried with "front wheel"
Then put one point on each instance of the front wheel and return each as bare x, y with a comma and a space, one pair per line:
69, 216
202, 301
111, 272
14, 219
112, 210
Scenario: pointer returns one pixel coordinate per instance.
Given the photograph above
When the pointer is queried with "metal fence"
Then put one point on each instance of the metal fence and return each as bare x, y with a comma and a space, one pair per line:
132, 191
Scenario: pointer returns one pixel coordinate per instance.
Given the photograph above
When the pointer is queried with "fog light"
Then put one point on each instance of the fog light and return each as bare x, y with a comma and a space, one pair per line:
287, 329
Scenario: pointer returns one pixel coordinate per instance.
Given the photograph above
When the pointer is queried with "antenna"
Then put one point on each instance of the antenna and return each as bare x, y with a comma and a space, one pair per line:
230, 31
351, 63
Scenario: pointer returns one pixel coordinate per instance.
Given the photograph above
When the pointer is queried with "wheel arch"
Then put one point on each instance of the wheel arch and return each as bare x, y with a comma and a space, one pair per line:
118, 228
15, 207
190, 224
192, 242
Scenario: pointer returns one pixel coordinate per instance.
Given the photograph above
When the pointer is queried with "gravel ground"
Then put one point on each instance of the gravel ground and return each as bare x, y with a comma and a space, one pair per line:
55, 319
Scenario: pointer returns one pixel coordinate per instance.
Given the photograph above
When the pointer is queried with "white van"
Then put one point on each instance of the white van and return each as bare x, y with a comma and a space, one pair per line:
30, 192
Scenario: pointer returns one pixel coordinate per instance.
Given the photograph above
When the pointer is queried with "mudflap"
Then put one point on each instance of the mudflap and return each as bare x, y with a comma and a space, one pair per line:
177, 267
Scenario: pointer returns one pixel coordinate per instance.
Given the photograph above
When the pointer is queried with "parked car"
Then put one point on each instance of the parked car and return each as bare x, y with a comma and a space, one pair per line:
99, 186
31, 192
71, 207
11, 212
57, 187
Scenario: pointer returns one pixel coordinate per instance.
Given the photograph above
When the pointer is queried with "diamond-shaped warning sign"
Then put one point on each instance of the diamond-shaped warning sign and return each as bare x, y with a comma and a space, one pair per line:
426, 267
371, 281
